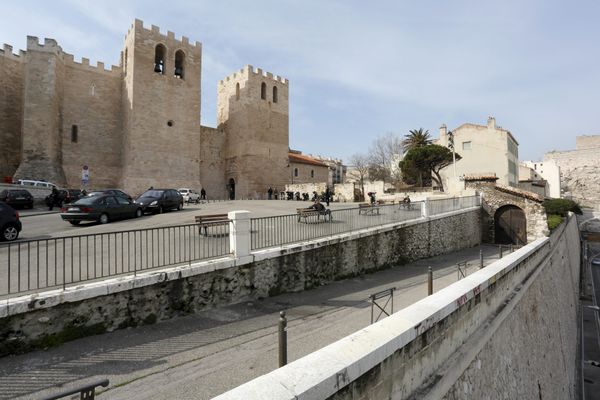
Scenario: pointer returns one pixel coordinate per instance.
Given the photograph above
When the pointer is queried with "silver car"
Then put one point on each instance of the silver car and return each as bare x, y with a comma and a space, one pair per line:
190, 195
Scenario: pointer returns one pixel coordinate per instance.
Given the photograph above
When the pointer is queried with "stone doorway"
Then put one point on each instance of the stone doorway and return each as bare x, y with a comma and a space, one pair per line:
510, 225
231, 189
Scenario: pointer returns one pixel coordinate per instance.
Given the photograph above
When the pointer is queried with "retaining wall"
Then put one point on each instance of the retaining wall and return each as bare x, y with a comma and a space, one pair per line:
508, 331
56, 316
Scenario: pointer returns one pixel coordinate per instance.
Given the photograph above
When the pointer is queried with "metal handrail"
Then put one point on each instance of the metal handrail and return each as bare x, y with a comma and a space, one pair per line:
87, 392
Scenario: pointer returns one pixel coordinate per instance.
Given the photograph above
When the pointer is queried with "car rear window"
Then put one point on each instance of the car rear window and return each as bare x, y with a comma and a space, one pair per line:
153, 193
89, 200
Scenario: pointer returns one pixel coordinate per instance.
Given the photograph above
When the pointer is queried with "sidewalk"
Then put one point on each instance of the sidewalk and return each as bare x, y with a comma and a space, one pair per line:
37, 211
203, 355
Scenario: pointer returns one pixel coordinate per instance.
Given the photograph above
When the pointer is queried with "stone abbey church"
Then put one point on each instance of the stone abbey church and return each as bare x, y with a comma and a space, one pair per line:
137, 125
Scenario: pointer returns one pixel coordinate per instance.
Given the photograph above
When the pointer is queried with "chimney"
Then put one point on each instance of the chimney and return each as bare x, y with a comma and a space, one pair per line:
491, 122
443, 130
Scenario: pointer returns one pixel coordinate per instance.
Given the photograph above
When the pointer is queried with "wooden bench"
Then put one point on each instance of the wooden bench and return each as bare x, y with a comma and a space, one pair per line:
366, 208
204, 221
309, 212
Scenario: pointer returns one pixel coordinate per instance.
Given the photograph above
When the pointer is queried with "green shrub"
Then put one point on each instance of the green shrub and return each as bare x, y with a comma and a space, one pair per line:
554, 221
561, 207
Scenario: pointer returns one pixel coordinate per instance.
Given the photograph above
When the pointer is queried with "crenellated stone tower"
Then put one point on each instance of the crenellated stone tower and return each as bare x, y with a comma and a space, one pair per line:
253, 110
161, 109
42, 110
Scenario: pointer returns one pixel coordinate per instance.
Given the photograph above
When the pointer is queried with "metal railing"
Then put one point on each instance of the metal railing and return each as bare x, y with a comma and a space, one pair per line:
440, 206
59, 262
284, 229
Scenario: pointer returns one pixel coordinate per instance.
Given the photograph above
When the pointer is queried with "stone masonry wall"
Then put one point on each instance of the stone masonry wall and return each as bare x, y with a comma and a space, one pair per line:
212, 165
579, 174
11, 110
294, 269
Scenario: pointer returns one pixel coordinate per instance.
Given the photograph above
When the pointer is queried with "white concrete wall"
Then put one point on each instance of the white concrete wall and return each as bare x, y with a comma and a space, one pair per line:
550, 172
508, 331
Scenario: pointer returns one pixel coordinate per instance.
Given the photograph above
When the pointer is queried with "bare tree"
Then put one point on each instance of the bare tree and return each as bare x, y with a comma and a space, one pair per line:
383, 151
360, 165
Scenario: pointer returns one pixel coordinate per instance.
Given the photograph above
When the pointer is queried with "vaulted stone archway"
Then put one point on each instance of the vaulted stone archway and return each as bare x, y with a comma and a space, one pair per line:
510, 215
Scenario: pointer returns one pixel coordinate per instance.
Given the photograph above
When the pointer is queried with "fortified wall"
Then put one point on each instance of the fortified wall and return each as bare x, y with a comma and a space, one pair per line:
137, 124
580, 170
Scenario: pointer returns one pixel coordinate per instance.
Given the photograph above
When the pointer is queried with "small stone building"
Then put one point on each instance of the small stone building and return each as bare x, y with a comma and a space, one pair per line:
306, 169
137, 124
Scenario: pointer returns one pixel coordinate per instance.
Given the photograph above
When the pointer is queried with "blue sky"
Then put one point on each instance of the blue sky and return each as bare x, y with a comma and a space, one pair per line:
359, 69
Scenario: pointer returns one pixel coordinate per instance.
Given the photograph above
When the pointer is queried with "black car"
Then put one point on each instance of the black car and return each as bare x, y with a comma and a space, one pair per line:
10, 225
70, 195
17, 197
113, 192
159, 200
101, 208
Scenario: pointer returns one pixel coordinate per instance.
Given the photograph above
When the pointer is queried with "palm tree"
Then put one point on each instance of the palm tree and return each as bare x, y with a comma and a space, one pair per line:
416, 138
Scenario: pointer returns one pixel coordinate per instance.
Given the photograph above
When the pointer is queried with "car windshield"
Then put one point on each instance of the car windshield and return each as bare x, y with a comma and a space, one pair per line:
152, 193
86, 201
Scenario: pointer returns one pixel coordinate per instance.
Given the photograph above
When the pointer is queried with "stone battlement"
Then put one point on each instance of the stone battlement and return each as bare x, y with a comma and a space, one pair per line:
7, 51
138, 24
249, 71
85, 64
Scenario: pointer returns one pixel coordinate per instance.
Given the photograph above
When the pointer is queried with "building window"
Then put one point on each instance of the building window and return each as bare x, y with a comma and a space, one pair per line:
466, 146
159, 59
295, 172
93, 90
312, 173
170, 123
74, 132
179, 64
237, 91
263, 91
274, 94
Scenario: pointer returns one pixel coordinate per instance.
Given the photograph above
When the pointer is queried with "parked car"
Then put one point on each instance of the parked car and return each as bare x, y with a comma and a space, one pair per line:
38, 184
159, 200
101, 208
10, 225
113, 192
596, 261
189, 195
17, 197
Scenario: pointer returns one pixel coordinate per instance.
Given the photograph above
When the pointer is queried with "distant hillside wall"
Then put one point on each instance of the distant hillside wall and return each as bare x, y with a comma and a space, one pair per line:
579, 174
508, 331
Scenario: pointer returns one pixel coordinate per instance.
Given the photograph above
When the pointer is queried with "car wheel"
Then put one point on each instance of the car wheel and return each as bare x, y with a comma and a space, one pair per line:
179, 206
138, 213
9, 233
74, 222
103, 219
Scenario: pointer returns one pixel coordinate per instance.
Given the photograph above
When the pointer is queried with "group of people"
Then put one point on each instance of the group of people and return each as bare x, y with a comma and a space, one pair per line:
326, 196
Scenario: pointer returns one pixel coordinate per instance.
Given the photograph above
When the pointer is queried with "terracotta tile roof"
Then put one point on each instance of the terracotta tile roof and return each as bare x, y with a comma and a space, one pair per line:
519, 192
483, 177
302, 159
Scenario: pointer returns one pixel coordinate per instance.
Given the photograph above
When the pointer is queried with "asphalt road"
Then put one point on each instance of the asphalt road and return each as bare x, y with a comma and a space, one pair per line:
203, 355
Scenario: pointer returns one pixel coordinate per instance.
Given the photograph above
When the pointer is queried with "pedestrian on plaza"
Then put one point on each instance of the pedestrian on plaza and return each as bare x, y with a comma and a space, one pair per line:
327, 195
270, 192
202, 194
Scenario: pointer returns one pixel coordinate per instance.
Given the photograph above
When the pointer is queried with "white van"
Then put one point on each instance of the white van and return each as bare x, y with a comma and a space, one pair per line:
38, 184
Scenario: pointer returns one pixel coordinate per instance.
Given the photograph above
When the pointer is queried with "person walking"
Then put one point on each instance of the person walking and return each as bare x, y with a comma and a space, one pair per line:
327, 195
270, 192
202, 194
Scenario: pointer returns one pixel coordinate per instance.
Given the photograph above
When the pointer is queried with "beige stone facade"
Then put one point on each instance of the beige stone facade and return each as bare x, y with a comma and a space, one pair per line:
485, 149
138, 124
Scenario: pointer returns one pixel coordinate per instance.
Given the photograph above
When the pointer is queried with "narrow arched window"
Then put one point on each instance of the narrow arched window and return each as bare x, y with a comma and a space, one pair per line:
159, 59
74, 133
274, 94
263, 91
237, 91
295, 172
312, 173
179, 64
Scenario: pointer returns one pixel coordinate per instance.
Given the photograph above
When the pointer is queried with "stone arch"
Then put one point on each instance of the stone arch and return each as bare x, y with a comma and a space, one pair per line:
510, 225
160, 53
179, 71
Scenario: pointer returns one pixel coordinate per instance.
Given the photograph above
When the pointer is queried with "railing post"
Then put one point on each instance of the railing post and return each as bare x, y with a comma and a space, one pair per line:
282, 339
425, 208
239, 233
480, 258
499, 251
429, 281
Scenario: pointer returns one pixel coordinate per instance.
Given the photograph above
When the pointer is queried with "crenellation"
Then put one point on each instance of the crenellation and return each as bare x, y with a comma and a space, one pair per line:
170, 35
155, 29
85, 61
7, 51
269, 75
100, 65
68, 58
185, 40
